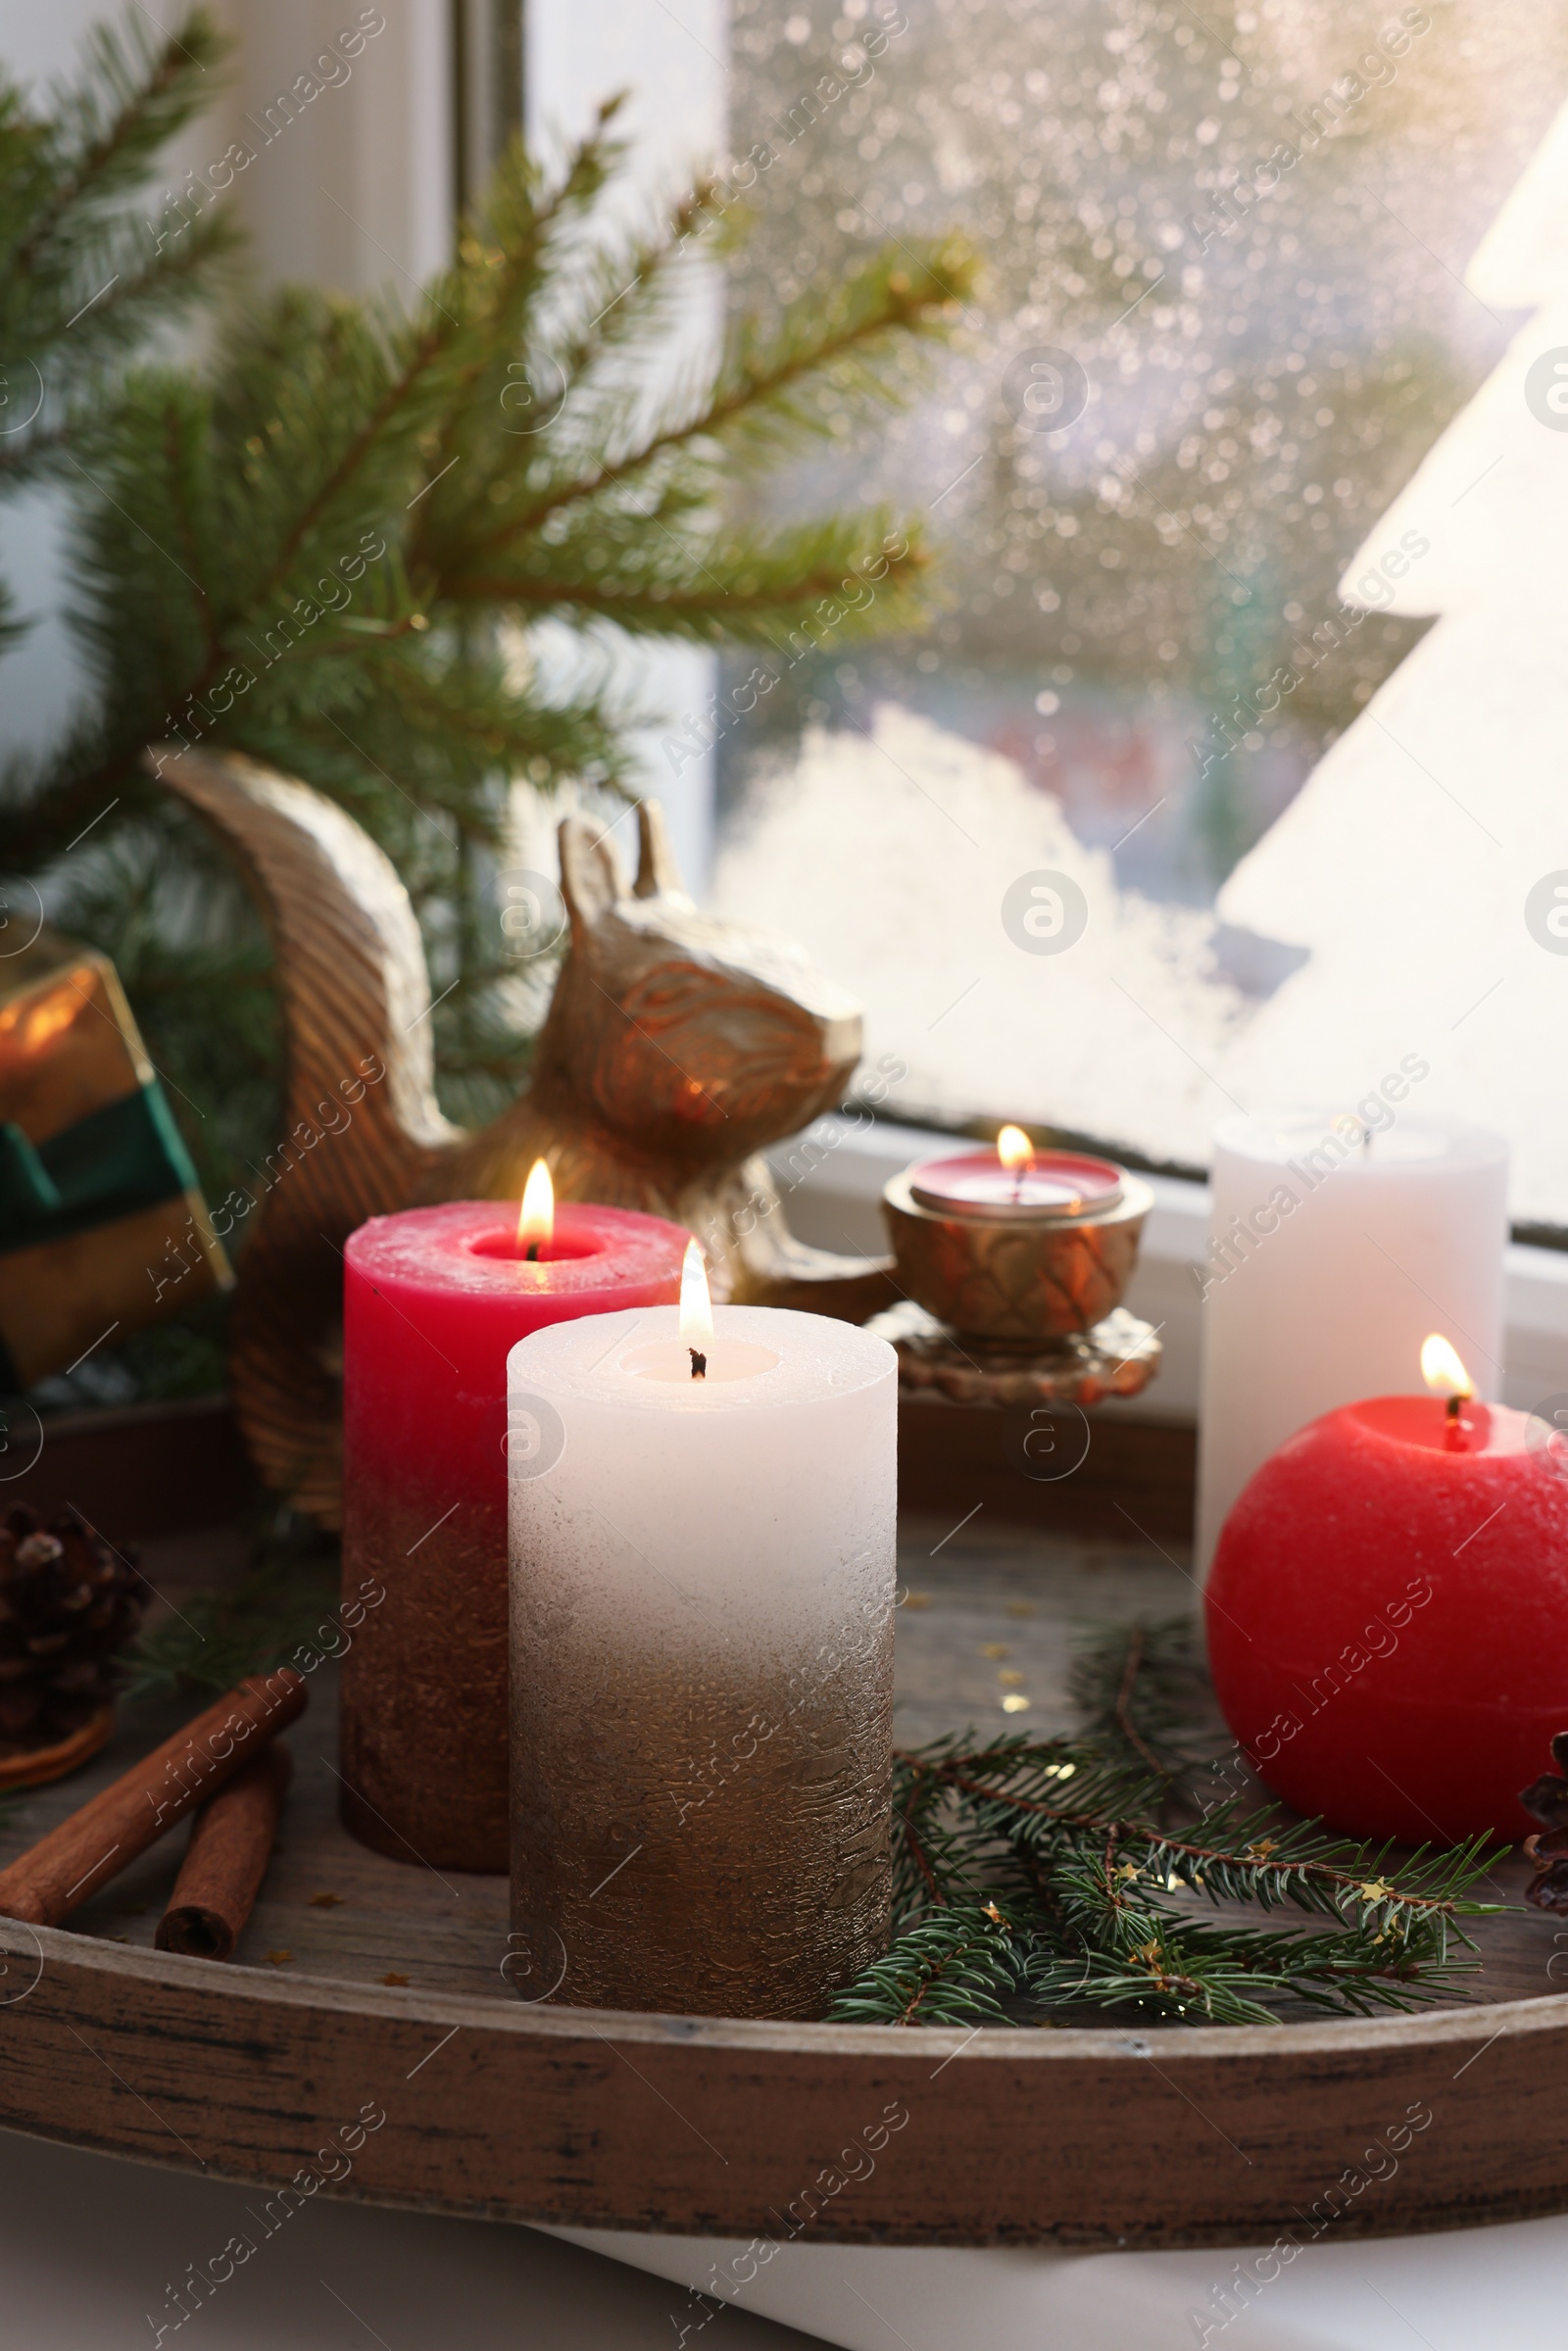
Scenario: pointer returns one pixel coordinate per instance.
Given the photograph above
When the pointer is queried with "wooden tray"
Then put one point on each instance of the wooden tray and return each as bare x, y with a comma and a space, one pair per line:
365, 1989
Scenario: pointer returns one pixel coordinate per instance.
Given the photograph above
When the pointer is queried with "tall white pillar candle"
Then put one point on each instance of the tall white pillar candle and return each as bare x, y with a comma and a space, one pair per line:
1337, 1244
701, 1663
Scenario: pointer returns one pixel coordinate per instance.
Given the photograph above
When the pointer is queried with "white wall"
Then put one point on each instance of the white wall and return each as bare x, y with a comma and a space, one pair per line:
379, 145
356, 192
37, 43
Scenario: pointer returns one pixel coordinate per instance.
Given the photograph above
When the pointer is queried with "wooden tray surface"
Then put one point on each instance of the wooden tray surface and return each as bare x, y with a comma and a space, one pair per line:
364, 1988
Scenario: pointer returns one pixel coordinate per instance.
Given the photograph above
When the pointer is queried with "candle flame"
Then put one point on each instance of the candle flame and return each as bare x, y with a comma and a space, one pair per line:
1014, 1149
1441, 1369
696, 1306
537, 1223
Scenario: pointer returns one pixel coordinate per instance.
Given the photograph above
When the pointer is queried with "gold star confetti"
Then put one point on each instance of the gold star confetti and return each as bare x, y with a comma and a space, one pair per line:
394, 1978
917, 1599
278, 1958
326, 1901
995, 1648
1014, 1702
1008, 1678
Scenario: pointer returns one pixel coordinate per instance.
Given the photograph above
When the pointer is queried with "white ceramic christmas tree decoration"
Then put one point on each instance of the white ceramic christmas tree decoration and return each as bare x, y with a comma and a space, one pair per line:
1418, 864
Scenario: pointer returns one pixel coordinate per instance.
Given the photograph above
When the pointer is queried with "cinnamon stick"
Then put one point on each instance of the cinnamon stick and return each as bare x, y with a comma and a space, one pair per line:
68, 1865
225, 1861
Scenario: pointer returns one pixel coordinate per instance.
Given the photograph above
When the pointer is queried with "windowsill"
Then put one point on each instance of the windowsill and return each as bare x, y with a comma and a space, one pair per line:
836, 1205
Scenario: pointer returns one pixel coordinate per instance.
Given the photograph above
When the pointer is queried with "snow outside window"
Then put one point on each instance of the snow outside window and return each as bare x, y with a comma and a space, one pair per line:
1234, 771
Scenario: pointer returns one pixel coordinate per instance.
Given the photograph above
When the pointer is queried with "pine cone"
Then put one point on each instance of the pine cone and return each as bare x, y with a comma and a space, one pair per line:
1546, 1800
67, 1605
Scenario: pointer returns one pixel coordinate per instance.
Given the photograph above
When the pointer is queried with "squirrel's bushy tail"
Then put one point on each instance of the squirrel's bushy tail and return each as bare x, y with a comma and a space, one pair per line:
360, 1128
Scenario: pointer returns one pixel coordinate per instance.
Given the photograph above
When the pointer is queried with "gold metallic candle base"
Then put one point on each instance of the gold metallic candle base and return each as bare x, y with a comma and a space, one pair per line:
1027, 1282
701, 1835
423, 1726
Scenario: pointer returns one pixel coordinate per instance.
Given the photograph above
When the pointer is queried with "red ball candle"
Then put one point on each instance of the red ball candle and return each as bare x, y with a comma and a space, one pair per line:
433, 1301
1388, 1615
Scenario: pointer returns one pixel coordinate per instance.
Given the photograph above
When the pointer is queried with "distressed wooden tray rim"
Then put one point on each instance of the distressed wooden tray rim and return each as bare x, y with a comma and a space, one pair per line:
1437, 2027
595, 2148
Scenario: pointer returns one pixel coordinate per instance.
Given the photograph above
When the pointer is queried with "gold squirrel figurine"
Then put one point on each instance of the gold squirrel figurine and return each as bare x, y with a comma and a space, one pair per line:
674, 1049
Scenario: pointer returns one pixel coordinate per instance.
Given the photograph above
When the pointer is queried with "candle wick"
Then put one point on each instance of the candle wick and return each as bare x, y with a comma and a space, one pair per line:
534, 1252
1454, 1402
699, 1364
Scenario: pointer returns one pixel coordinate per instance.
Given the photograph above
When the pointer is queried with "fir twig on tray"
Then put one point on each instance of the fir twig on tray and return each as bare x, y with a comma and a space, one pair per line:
286, 1601
1141, 1695
1039, 1875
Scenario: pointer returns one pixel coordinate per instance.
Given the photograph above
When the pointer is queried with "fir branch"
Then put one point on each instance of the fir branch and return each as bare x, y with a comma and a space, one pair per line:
756, 592
315, 546
134, 95
760, 386
79, 281
1036, 1874
1237, 1859
1232, 1976
956, 1967
287, 1599
1137, 1688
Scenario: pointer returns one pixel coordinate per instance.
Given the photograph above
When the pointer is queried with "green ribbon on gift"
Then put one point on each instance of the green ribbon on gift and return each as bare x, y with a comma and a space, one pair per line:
126, 1156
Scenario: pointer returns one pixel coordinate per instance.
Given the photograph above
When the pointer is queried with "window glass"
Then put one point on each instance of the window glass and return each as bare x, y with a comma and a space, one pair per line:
1183, 800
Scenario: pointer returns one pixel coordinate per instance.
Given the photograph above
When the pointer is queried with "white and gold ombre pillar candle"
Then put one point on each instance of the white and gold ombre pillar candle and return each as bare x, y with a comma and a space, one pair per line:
703, 1508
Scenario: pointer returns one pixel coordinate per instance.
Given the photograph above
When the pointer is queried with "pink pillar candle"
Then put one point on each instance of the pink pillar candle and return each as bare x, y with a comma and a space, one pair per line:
434, 1299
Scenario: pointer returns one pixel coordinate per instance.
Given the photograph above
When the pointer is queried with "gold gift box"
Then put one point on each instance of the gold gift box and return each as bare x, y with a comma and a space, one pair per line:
103, 1229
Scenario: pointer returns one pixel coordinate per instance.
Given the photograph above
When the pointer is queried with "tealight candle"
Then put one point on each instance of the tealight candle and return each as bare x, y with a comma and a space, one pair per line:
1387, 1612
702, 1588
1017, 1182
433, 1299
1015, 1245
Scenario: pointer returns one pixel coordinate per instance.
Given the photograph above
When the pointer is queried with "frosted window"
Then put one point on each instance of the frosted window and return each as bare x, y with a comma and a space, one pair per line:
1313, 265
